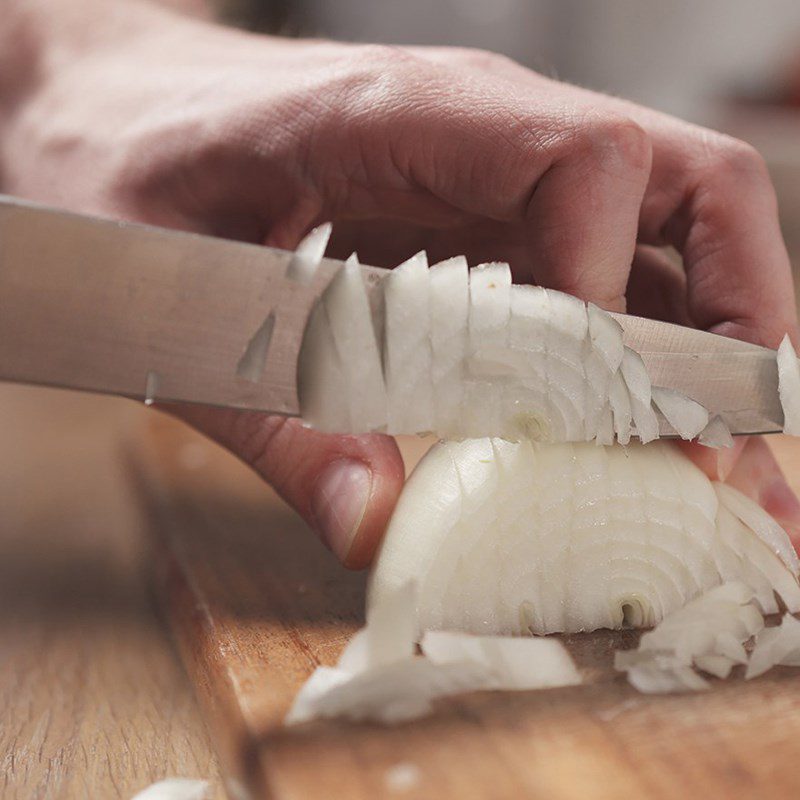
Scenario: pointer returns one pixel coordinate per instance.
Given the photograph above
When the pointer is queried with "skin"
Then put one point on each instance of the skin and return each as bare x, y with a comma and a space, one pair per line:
154, 116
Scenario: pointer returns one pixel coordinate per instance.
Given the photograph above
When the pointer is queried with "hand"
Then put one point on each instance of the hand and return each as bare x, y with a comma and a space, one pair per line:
185, 124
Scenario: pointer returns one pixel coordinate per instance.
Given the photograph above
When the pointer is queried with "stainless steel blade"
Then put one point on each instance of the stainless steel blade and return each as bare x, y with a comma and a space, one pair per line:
147, 313
735, 379
154, 314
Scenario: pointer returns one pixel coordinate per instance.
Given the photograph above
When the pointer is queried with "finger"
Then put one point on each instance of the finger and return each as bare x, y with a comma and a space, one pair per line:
758, 475
345, 487
657, 287
716, 462
584, 212
738, 273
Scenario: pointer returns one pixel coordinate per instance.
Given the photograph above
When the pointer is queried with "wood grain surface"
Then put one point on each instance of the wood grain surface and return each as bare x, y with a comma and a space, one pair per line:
94, 704
256, 604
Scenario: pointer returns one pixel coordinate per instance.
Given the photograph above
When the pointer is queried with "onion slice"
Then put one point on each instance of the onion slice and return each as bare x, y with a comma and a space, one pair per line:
686, 416
407, 353
778, 645
513, 663
716, 434
789, 386
700, 634
305, 261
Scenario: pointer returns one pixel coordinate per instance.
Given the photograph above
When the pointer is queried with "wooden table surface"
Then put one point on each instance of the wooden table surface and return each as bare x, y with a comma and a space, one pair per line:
94, 704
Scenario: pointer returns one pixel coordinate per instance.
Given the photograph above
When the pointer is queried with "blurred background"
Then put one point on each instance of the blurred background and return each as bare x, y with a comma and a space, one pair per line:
733, 65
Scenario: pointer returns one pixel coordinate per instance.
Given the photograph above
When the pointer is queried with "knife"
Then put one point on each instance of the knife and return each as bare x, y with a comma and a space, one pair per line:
160, 315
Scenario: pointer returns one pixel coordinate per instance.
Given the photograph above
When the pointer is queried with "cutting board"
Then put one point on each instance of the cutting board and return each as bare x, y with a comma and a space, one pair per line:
255, 604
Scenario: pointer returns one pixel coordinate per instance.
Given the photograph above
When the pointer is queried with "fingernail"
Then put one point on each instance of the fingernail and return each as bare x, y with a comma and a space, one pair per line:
338, 503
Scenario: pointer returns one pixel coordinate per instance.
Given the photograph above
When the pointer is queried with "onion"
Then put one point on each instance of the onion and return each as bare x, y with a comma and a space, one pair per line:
686, 416
175, 789
347, 308
716, 434
778, 645
407, 348
305, 261
468, 354
513, 663
789, 386
378, 677
506, 538
638, 382
707, 632
449, 339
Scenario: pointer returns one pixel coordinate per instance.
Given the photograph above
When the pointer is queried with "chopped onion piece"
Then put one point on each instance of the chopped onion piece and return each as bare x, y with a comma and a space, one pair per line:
176, 789
789, 386
347, 307
761, 523
513, 663
305, 261
407, 358
620, 401
449, 339
321, 386
638, 382
686, 416
716, 434
389, 635
389, 694
606, 336
699, 633
778, 645
379, 678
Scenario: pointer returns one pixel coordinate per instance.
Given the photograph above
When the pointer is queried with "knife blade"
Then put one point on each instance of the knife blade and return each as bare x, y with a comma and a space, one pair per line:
161, 315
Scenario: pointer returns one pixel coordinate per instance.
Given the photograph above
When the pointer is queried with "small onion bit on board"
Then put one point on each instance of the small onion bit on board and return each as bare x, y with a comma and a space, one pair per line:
176, 789
707, 633
379, 678
507, 539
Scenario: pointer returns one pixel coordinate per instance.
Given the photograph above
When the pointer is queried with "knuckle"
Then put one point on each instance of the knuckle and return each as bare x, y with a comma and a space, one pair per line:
617, 142
478, 59
732, 158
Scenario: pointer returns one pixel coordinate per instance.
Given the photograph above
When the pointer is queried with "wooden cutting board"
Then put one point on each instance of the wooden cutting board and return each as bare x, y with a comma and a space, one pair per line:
255, 604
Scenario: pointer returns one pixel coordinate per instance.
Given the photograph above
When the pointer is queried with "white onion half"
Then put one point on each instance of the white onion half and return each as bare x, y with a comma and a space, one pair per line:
506, 538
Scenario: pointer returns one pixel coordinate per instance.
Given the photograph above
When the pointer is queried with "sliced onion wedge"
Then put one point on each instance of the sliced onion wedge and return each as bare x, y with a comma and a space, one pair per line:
698, 634
716, 434
408, 358
513, 663
789, 386
686, 416
774, 646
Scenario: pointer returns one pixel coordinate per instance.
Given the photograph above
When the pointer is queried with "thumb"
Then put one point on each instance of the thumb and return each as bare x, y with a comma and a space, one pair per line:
345, 487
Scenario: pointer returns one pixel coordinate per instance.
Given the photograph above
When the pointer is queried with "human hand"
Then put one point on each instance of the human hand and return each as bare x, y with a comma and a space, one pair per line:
185, 124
